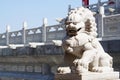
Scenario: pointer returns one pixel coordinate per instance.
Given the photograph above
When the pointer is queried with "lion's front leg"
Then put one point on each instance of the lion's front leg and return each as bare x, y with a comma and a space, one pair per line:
82, 65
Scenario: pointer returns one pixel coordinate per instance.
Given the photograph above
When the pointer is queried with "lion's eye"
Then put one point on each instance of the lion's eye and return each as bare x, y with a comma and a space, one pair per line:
79, 29
74, 23
67, 23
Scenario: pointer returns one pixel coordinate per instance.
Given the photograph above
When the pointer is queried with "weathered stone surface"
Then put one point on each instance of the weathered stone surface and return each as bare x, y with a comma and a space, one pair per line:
25, 51
6, 51
83, 51
46, 69
14, 68
29, 68
21, 68
88, 76
48, 50
38, 68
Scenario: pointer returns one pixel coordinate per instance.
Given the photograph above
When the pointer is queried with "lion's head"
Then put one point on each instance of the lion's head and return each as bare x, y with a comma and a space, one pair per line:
80, 20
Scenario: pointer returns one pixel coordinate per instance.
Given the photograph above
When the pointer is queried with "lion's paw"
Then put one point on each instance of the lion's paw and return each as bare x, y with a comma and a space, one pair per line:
64, 70
81, 62
80, 65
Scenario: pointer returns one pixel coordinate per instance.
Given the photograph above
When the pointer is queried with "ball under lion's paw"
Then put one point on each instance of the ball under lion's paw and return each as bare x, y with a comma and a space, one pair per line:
102, 69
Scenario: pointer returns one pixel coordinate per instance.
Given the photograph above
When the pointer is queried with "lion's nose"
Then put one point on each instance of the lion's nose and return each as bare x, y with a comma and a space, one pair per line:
71, 24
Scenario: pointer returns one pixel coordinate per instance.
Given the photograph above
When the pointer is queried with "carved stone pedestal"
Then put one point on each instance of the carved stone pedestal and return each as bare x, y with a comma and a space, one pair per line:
88, 76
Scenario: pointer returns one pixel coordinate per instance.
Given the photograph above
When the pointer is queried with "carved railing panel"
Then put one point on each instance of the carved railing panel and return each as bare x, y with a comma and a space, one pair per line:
15, 37
3, 39
15, 40
111, 26
56, 32
34, 35
2, 36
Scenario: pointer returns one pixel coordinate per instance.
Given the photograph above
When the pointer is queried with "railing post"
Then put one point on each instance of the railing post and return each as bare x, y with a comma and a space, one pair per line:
102, 10
24, 32
7, 34
44, 30
100, 16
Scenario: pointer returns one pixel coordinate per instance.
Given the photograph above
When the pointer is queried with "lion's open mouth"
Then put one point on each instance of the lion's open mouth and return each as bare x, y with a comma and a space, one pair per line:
72, 32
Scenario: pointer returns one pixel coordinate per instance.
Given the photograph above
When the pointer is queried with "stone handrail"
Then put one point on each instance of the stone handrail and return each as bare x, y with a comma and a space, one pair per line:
25, 36
48, 33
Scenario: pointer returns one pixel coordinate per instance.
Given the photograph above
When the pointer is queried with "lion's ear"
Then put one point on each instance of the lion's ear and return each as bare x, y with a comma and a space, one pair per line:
87, 25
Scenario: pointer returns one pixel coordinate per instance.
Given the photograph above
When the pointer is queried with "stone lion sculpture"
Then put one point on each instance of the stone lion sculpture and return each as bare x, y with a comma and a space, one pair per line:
83, 52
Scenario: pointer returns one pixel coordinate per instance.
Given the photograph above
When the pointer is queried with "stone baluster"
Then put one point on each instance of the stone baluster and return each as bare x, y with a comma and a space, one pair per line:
24, 32
44, 30
102, 10
7, 34
100, 16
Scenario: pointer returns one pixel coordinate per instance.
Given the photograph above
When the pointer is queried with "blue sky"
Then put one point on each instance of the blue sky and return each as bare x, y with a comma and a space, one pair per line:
15, 12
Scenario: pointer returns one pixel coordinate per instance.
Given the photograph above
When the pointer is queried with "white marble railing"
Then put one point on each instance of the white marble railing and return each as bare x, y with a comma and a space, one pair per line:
106, 5
55, 32
3, 35
48, 33
55, 28
111, 29
39, 34
95, 6
34, 31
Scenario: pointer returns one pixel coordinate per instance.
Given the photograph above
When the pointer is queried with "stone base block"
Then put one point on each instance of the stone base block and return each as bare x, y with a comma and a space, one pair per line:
88, 76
